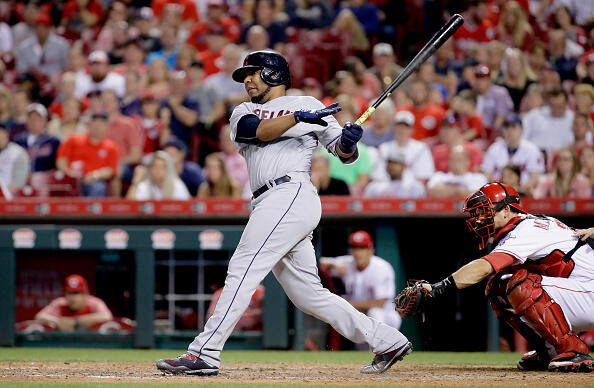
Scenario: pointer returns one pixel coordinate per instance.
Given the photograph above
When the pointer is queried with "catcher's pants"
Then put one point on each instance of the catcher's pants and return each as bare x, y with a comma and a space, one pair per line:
576, 298
278, 238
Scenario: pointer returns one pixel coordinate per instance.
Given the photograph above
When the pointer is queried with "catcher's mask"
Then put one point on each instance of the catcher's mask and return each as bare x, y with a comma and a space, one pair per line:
482, 206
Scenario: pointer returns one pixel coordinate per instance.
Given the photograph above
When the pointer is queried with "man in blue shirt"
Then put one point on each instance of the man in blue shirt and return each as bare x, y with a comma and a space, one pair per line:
184, 110
40, 146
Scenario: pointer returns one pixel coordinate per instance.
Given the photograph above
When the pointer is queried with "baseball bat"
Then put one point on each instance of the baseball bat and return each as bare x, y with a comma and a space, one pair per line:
431, 47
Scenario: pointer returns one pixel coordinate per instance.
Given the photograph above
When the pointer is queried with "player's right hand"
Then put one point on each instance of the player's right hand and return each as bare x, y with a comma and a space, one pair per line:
315, 117
584, 233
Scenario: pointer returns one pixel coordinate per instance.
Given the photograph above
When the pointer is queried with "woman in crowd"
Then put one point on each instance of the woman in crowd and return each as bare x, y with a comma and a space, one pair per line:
562, 19
158, 181
513, 28
5, 106
63, 127
517, 77
565, 180
218, 183
159, 78
587, 164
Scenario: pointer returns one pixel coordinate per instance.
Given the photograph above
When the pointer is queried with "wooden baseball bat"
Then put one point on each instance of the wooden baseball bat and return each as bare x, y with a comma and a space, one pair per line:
431, 47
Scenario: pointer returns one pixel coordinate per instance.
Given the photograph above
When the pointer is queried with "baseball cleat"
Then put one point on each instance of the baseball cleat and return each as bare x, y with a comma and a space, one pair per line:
383, 362
572, 362
188, 364
534, 361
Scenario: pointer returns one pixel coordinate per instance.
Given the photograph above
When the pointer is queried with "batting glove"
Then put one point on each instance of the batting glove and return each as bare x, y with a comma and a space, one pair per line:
351, 134
315, 117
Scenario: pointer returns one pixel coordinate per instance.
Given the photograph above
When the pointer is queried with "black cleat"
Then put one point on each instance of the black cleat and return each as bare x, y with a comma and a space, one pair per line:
572, 362
383, 362
534, 361
188, 364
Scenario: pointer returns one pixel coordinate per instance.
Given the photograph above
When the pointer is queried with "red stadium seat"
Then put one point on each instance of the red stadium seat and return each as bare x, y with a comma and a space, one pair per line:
54, 184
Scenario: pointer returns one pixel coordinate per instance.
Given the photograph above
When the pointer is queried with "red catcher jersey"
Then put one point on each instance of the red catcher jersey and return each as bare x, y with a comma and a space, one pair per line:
534, 238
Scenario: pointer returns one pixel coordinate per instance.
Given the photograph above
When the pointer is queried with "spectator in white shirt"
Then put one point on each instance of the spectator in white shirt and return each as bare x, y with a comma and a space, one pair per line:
549, 127
418, 157
458, 182
158, 181
100, 77
516, 150
402, 183
14, 162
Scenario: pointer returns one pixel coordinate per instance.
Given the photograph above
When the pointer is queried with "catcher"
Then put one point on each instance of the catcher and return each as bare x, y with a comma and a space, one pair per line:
541, 279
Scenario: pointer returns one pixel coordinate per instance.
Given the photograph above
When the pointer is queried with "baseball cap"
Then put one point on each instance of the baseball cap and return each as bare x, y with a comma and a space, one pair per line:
404, 117
37, 108
43, 19
175, 142
98, 56
396, 155
482, 70
512, 119
361, 239
383, 49
76, 283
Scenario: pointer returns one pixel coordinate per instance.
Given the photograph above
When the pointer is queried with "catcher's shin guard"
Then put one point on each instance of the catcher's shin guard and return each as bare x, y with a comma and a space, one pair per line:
543, 314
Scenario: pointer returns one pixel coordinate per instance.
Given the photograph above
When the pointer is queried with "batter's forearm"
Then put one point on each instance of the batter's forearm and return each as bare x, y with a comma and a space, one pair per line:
271, 129
472, 273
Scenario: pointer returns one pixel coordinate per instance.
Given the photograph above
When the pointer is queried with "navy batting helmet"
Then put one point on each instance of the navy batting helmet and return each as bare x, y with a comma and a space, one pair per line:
275, 69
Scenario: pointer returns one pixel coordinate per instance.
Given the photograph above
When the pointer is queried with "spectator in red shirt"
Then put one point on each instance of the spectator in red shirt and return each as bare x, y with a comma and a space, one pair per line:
451, 136
81, 14
476, 28
77, 309
91, 157
188, 8
514, 29
154, 130
428, 116
217, 42
471, 123
215, 17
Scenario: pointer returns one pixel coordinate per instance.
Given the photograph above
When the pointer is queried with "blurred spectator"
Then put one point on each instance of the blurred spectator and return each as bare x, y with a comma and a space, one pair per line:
589, 69
402, 182
368, 84
100, 77
476, 28
447, 69
5, 106
26, 28
347, 86
495, 54
494, 103
517, 76
511, 175
148, 31
6, 43
188, 8
218, 183
232, 92
67, 91
470, 122
311, 87
122, 130
549, 78
251, 320
458, 182
369, 280
321, 179
14, 162
256, 39
427, 115
263, 15
40, 145
512, 148
169, 48
583, 95
189, 172
130, 104
385, 67
563, 54
45, 51
533, 98
587, 165
132, 58
187, 54
117, 15
208, 96
537, 57
216, 42
549, 127
77, 309
154, 129
382, 129
563, 20
79, 15
582, 132
234, 162
514, 29
91, 157
418, 157
18, 123
70, 121
157, 181
451, 136
310, 14
217, 18
582, 11
565, 180
184, 110
159, 80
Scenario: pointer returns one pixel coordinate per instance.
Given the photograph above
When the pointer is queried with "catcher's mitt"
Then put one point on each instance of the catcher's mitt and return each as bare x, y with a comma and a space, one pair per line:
413, 298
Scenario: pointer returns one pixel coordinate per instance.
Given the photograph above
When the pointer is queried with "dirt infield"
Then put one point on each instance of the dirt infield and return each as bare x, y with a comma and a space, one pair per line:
288, 374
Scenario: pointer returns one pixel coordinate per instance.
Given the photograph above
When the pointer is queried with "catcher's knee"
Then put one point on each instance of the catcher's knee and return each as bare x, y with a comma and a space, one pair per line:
524, 290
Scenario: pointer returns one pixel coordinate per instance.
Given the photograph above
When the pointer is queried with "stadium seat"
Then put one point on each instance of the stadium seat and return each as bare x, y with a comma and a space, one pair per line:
54, 184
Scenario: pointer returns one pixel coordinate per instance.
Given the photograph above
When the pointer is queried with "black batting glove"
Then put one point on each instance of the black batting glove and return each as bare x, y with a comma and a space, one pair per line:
351, 134
315, 117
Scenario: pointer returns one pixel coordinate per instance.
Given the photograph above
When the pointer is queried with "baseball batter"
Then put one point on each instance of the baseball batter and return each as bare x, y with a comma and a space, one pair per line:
542, 283
277, 135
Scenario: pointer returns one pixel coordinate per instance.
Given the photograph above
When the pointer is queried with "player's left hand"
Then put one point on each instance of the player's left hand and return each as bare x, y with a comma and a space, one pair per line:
315, 117
584, 233
351, 134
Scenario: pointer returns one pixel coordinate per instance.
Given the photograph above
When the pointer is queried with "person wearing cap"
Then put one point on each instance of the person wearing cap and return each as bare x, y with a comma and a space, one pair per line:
385, 67
401, 182
40, 145
189, 172
369, 280
458, 181
549, 127
77, 309
100, 77
210, 100
417, 155
183, 110
515, 149
90, 157
494, 103
14, 162
427, 115
451, 136
45, 51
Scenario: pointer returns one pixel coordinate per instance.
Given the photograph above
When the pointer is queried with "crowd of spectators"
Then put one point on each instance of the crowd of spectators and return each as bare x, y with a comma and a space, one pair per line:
131, 98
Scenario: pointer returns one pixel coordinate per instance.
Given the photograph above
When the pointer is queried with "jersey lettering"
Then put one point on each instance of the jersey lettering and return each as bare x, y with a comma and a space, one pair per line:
543, 224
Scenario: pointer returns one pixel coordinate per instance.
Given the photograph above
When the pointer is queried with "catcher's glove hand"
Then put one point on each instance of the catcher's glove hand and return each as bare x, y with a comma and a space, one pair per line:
413, 298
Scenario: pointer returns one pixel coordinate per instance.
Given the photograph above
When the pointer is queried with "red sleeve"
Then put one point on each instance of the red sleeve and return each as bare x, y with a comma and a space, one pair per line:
65, 149
499, 260
54, 308
96, 305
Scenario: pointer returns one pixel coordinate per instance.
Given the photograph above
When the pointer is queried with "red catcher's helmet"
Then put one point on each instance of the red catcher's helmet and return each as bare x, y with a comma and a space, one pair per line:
361, 239
482, 206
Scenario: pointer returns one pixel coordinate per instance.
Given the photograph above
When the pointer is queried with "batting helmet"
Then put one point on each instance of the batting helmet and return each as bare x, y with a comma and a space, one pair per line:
482, 206
361, 239
275, 68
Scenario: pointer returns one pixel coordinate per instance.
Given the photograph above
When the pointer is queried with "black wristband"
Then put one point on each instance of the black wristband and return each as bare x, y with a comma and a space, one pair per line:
444, 286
